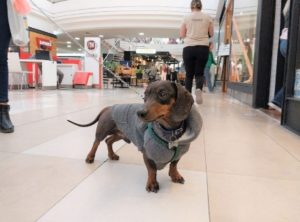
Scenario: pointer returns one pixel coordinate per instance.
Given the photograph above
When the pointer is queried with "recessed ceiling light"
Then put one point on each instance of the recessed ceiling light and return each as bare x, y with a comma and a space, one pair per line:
141, 33
69, 46
101, 36
77, 38
68, 42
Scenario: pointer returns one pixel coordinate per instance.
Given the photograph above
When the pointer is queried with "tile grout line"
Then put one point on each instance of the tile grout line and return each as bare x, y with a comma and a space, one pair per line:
280, 145
277, 121
56, 116
71, 190
256, 177
205, 160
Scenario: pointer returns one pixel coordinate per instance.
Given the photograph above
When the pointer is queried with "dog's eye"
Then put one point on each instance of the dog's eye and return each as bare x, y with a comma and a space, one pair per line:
162, 94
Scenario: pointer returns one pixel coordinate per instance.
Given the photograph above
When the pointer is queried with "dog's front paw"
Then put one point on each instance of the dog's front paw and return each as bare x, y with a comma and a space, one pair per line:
177, 178
152, 186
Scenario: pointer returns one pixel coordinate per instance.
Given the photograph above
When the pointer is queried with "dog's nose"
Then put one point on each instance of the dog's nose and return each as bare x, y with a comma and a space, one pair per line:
142, 113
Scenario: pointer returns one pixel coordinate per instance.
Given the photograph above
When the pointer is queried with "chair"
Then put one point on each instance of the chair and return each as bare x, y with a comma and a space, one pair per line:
15, 68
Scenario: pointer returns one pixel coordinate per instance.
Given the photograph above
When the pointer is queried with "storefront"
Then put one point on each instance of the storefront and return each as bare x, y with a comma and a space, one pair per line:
291, 108
254, 71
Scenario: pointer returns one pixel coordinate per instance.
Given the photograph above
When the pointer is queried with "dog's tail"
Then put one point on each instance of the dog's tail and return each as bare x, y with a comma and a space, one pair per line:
88, 124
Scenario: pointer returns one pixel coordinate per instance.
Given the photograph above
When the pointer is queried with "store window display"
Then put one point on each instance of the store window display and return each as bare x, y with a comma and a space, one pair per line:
243, 41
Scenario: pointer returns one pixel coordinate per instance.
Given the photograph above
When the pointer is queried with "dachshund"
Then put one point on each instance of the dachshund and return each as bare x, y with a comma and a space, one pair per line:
162, 128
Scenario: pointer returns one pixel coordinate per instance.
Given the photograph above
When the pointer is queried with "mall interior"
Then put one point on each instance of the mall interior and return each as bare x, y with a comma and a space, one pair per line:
80, 57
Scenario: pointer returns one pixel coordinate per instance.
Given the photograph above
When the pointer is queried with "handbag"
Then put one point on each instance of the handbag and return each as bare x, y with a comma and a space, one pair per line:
18, 25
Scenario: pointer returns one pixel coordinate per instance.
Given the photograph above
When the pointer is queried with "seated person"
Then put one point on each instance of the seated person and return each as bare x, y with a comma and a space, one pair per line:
44, 54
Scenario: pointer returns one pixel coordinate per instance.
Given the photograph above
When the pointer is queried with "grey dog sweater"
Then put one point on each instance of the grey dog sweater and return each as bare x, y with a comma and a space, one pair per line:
126, 119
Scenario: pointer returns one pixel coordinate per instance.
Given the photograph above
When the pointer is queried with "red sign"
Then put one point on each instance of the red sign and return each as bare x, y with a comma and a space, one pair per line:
44, 43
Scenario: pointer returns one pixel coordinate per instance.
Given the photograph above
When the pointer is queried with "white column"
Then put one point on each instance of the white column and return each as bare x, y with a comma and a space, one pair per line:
93, 46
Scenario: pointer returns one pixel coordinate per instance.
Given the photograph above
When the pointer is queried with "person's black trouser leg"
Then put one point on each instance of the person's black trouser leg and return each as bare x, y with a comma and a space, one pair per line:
195, 58
4, 43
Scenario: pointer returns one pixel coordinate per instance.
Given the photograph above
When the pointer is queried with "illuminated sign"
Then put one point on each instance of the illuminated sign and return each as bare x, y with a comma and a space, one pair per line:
145, 51
44, 43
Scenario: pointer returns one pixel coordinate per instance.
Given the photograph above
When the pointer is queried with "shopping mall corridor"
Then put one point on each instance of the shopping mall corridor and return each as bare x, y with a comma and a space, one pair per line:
244, 167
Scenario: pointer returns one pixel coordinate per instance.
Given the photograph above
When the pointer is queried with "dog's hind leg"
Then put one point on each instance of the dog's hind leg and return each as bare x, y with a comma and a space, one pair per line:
174, 174
114, 138
109, 141
91, 156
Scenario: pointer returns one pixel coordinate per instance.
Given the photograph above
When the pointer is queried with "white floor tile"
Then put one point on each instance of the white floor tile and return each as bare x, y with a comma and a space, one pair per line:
75, 145
116, 192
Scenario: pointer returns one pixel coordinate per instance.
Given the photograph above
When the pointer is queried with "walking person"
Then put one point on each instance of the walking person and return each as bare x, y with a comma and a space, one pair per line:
283, 44
196, 29
6, 125
21, 6
209, 63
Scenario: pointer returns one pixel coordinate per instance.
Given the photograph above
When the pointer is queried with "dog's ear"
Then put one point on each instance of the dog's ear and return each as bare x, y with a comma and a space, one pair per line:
184, 102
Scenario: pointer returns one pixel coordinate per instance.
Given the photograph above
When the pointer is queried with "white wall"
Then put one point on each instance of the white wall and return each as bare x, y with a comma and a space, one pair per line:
37, 20
75, 15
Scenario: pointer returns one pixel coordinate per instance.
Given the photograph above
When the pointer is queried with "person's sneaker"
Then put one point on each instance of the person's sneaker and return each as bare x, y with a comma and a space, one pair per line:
274, 106
199, 97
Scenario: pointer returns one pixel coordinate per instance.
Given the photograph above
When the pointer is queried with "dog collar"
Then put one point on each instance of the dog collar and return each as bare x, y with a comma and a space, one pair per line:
172, 134
172, 144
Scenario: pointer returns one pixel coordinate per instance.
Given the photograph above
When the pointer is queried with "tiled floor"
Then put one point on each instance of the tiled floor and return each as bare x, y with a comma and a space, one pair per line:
243, 167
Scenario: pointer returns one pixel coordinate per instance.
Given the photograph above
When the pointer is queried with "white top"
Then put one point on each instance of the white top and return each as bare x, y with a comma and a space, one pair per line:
197, 24
284, 34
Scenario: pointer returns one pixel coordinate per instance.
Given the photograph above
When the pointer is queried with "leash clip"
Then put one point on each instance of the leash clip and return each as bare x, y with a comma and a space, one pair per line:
173, 143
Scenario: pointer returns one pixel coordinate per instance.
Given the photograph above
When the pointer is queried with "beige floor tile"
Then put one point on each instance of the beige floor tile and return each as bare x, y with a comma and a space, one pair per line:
31, 185
116, 192
129, 154
248, 199
27, 136
285, 138
4, 156
260, 157
74, 145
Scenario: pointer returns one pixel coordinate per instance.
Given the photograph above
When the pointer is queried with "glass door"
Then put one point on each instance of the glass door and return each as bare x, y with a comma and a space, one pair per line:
291, 110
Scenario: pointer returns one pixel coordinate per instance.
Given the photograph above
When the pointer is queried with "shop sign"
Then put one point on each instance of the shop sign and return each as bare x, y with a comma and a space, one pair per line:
145, 51
224, 50
91, 45
297, 84
44, 42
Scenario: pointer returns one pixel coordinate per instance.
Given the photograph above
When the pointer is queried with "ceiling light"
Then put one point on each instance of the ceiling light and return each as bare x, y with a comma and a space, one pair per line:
68, 42
77, 38
101, 36
79, 50
141, 33
69, 46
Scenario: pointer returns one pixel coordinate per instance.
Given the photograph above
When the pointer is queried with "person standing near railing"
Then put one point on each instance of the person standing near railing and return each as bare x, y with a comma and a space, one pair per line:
21, 6
196, 29
209, 63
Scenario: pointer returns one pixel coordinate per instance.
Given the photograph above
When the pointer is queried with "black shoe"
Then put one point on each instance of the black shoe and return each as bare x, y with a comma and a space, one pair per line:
6, 125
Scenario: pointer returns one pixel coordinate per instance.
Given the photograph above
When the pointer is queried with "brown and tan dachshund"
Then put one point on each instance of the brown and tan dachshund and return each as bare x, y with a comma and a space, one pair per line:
162, 128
